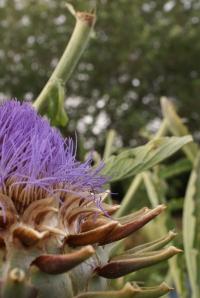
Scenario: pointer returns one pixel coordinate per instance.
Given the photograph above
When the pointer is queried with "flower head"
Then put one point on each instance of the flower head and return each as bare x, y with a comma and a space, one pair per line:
50, 202
35, 160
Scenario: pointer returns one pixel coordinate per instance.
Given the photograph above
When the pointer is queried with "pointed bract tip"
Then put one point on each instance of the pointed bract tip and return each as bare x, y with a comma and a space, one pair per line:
57, 264
161, 207
175, 249
172, 234
165, 286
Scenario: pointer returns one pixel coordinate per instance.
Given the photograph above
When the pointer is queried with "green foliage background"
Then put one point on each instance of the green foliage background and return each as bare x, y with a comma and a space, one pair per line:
140, 51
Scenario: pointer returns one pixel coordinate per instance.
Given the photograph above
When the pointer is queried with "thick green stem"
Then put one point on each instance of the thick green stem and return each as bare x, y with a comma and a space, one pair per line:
127, 200
109, 144
153, 197
70, 57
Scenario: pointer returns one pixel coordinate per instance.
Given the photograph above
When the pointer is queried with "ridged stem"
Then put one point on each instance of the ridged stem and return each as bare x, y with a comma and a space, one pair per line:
127, 200
77, 43
109, 144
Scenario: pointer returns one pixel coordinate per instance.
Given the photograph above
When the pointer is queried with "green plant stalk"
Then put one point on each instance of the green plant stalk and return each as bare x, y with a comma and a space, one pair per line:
138, 179
127, 200
161, 222
76, 46
109, 144
107, 153
152, 194
191, 228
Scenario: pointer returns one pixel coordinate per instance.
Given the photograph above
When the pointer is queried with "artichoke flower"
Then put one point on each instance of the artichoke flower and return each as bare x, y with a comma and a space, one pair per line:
56, 231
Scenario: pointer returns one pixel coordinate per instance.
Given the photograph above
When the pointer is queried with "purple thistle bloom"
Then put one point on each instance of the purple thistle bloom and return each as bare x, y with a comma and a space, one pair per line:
36, 160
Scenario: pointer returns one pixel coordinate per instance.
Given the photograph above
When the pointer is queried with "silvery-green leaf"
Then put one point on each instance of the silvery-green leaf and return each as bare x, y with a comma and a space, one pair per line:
191, 229
133, 161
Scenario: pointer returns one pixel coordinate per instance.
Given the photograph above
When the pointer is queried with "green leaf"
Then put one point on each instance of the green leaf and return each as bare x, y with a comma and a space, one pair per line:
55, 110
191, 229
133, 161
155, 196
181, 166
177, 127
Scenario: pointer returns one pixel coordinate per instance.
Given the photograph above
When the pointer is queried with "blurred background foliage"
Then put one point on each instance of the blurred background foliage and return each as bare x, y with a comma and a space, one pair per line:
140, 51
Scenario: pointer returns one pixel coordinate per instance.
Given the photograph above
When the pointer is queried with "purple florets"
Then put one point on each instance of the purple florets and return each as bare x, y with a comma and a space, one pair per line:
35, 155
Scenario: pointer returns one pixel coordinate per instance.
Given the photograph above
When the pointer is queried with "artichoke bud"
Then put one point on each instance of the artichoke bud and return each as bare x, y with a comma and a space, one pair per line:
56, 232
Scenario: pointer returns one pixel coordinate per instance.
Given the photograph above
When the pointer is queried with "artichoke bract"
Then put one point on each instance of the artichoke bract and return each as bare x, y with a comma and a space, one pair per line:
57, 232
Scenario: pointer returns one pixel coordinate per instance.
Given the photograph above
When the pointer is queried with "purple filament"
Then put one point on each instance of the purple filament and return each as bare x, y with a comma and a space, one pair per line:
33, 154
